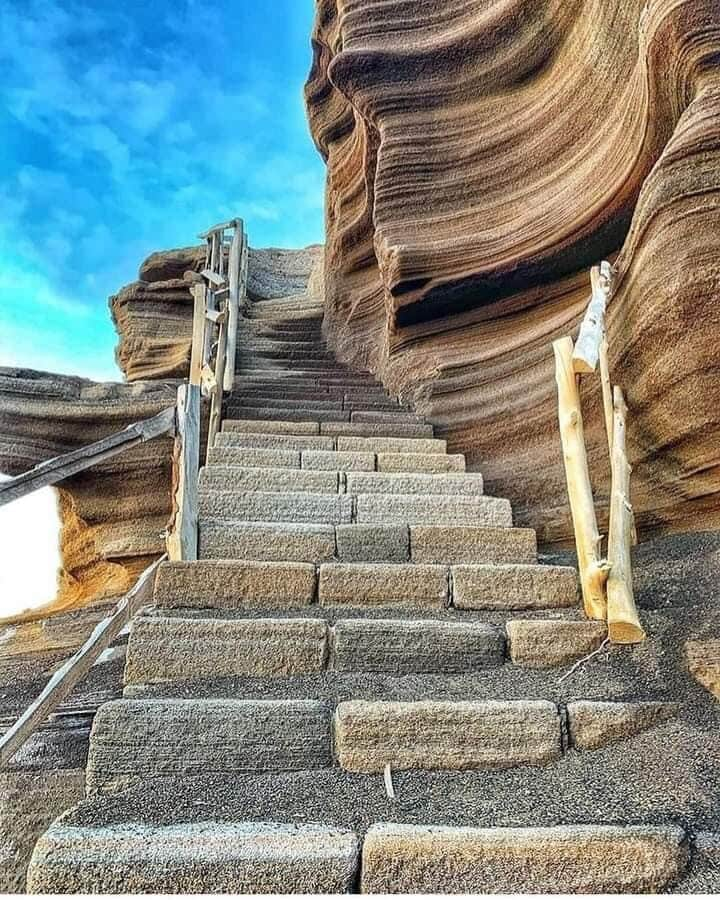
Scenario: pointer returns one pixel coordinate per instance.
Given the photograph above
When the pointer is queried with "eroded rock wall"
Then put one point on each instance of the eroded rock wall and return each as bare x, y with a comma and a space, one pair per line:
481, 157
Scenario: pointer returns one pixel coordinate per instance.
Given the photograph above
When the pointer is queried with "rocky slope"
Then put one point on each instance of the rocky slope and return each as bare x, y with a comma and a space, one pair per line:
480, 158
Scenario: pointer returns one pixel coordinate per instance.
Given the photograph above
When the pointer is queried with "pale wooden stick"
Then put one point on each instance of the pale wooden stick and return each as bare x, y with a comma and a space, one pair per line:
76, 668
593, 569
623, 621
606, 391
182, 539
233, 307
217, 393
587, 348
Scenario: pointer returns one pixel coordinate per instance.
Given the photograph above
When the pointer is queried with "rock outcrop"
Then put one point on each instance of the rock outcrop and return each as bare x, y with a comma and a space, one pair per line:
480, 158
112, 515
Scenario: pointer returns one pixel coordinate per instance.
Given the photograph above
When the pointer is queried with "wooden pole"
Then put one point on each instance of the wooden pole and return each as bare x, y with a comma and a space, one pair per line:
623, 621
234, 261
606, 391
76, 668
593, 568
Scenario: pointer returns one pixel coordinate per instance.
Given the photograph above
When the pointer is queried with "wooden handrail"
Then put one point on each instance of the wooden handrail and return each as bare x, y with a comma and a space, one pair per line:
606, 583
60, 467
73, 670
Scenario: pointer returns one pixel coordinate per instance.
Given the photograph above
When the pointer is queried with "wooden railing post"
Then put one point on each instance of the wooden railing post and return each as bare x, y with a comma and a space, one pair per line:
593, 568
623, 622
234, 264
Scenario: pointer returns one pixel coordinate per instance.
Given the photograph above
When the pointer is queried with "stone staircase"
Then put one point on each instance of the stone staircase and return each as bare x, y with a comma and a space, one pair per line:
356, 686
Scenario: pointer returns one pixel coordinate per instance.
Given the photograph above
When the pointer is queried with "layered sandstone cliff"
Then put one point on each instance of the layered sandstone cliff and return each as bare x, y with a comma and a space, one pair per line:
481, 156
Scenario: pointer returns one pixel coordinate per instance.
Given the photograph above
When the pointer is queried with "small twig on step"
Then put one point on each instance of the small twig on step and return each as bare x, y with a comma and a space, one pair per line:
389, 789
585, 659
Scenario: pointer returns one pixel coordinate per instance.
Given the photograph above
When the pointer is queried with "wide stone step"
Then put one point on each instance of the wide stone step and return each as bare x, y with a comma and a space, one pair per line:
336, 461
171, 648
195, 857
163, 649
286, 414
225, 584
283, 478
134, 740
268, 541
370, 735
466, 484
457, 544
360, 584
267, 506
262, 401
334, 428
433, 510
565, 859
391, 444
274, 441
513, 587
257, 478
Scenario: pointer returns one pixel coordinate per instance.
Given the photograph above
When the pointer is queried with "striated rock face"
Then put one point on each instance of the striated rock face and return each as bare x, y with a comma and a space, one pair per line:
153, 316
481, 156
113, 514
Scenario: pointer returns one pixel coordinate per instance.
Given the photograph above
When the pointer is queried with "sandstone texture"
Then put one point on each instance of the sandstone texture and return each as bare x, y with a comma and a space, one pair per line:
195, 857
594, 724
137, 739
441, 735
542, 643
572, 859
112, 515
480, 158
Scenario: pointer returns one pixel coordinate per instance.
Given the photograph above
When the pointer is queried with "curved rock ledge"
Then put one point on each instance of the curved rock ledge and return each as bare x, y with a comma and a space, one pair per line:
480, 158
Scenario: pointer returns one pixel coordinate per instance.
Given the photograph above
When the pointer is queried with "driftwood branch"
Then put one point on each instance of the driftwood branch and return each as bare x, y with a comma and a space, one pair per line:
593, 568
76, 668
61, 467
623, 621
587, 349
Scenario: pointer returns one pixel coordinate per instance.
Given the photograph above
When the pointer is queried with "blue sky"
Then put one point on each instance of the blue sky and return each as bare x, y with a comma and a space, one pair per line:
128, 127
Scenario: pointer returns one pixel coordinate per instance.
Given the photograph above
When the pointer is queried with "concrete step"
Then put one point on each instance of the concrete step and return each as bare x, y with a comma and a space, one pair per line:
268, 506
164, 649
318, 543
134, 740
170, 648
262, 401
465, 484
388, 416
227, 584
380, 445
284, 478
315, 425
514, 587
294, 413
379, 584
257, 478
432, 510
427, 735
565, 859
196, 857
267, 541
457, 544
254, 456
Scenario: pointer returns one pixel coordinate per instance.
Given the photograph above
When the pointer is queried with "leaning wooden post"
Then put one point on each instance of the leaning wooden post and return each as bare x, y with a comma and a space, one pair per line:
593, 568
233, 307
182, 542
623, 621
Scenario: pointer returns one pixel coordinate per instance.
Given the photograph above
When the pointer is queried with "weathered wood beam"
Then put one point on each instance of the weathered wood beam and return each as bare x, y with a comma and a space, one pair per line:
61, 467
593, 568
223, 226
623, 621
234, 274
587, 349
182, 539
214, 278
69, 675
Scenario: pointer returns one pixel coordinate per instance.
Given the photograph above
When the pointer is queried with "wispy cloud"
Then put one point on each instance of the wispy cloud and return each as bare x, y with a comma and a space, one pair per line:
131, 128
